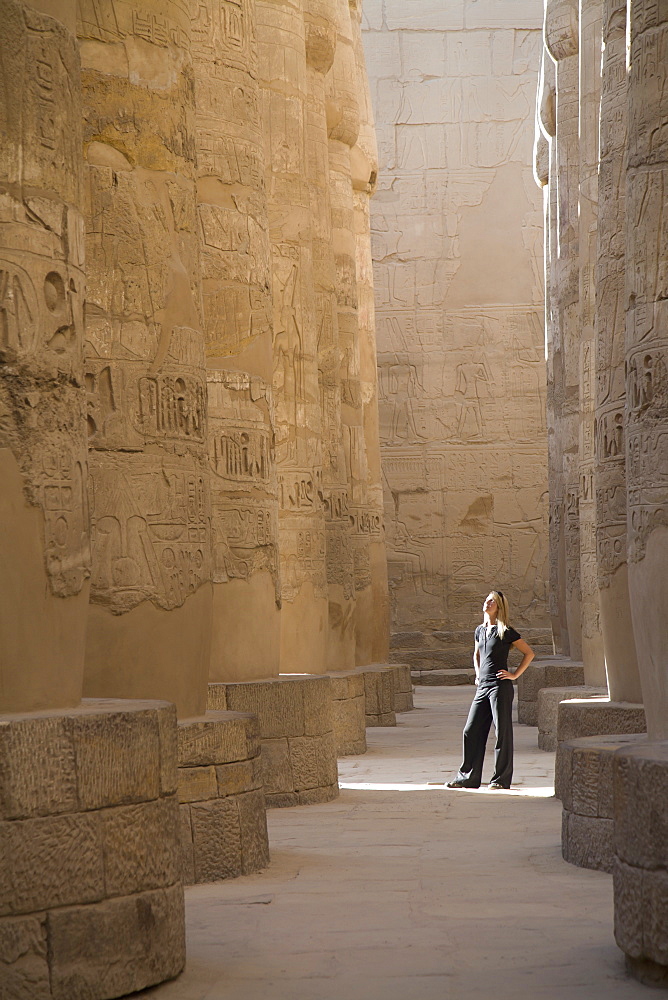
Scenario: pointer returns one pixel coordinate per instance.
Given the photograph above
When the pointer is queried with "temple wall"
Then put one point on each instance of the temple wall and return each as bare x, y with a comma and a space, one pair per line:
457, 235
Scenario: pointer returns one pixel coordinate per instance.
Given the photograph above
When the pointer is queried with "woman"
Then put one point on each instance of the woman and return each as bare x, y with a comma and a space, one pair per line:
494, 698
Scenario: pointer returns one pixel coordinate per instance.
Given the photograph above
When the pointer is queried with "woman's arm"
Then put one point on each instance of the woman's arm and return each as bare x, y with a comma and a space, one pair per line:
476, 661
524, 647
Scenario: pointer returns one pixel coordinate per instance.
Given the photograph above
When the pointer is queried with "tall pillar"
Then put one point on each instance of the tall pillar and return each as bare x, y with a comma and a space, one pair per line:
561, 36
589, 49
321, 22
344, 126
373, 609
647, 352
150, 616
44, 540
610, 467
283, 86
546, 175
236, 286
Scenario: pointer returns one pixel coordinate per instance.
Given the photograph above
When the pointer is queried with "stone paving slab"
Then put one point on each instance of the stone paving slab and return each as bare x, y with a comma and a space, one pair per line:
387, 892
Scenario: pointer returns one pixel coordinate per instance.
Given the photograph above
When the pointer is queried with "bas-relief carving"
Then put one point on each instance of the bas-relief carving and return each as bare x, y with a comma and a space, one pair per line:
451, 411
42, 286
647, 350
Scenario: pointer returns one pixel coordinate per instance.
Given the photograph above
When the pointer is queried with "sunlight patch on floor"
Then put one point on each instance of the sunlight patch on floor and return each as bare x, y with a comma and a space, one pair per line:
534, 791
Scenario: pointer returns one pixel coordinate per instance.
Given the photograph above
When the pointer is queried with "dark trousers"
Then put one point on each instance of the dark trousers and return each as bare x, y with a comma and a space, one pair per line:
491, 704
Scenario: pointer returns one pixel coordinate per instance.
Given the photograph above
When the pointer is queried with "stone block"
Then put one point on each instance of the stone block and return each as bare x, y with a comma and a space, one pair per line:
141, 846
312, 761
598, 717
403, 701
512, 14
37, 767
558, 672
527, 712
232, 779
628, 896
215, 738
428, 14
216, 839
314, 796
216, 699
118, 753
24, 970
386, 719
282, 800
443, 678
640, 804
278, 705
317, 694
186, 842
254, 836
50, 861
587, 841
349, 725
276, 767
548, 708
348, 684
118, 946
407, 640
197, 783
169, 749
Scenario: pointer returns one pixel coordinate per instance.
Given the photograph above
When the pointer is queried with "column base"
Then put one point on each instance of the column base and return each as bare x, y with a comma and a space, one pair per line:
551, 672
92, 900
594, 717
296, 731
223, 811
640, 873
584, 779
548, 710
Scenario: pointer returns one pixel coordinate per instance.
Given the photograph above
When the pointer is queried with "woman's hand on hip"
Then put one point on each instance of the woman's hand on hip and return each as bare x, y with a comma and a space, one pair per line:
504, 675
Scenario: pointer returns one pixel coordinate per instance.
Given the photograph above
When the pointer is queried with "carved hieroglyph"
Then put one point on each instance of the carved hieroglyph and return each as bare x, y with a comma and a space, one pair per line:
457, 246
609, 444
44, 543
236, 285
647, 352
589, 20
561, 35
283, 84
149, 624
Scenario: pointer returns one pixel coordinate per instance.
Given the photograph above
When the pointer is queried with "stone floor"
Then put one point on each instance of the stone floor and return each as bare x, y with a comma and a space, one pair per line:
401, 888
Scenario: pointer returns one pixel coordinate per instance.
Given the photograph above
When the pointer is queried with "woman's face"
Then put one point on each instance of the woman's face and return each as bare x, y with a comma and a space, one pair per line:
489, 606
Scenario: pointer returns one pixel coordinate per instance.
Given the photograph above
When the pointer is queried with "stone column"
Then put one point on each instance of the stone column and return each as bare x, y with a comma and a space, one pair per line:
373, 608
236, 284
647, 352
590, 97
321, 20
344, 125
610, 468
546, 174
282, 69
150, 618
561, 36
44, 541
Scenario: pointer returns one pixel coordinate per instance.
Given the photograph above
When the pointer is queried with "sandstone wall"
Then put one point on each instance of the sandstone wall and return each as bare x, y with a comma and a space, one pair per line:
457, 247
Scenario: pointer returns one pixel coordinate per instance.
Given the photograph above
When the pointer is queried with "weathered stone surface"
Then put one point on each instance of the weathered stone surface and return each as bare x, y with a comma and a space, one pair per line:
313, 761
197, 783
349, 725
447, 677
186, 842
587, 841
313, 796
146, 932
24, 973
37, 768
217, 697
384, 719
548, 674
216, 839
253, 827
276, 767
348, 684
118, 756
317, 695
168, 749
640, 797
141, 846
548, 707
50, 861
243, 776
216, 738
598, 718
278, 705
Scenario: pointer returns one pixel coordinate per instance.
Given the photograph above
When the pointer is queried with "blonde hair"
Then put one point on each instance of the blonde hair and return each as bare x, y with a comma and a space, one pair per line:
502, 612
